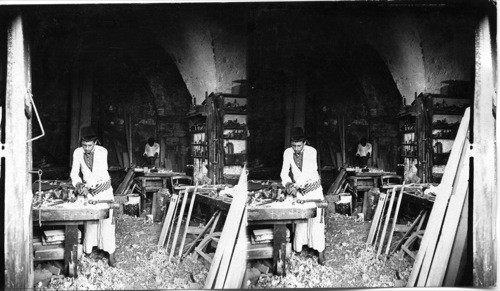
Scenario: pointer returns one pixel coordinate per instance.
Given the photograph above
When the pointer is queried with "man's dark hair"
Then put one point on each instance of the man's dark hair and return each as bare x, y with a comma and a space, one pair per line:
151, 141
88, 138
298, 139
363, 141
297, 134
88, 134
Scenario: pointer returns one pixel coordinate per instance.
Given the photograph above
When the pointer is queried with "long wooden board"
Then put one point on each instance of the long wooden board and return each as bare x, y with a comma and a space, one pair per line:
167, 220
433, 242
458, 259
444, 191
218, 269
450, 225
188, 218
394, 219
238, 263
179, 222
376, 218
386, 222
172, 223
242, 194
381, 220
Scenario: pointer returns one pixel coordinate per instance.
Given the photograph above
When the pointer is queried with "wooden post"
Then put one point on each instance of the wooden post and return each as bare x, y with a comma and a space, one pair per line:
485, 171
17, 214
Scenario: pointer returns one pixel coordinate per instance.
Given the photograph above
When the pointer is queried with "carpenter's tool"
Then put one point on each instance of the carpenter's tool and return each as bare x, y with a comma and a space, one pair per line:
111, 203
320, 203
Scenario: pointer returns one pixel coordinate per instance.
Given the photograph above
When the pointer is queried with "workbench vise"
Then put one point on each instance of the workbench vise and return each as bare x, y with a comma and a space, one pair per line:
111, 203
320, 203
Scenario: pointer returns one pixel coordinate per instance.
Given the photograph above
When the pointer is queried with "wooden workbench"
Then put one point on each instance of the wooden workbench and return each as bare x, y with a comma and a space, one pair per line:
70, 215
364, 181
152, 182
279, 214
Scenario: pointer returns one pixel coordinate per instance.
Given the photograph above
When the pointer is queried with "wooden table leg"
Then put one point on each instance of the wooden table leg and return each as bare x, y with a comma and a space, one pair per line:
366, 206
154, 206
71, 250
279, 249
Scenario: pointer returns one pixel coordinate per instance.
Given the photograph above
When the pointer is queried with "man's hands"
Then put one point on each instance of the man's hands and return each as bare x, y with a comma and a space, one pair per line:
81, 189
291, 189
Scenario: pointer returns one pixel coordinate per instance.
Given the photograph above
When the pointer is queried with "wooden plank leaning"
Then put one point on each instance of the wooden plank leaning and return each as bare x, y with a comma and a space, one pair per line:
394, 219
242, 194
188, 218
172, 222
217, 273
380, 222
179, 222
386, 222
335, 187
376, 218
238, 263
167, 220
449, 187
458, 259
443, 248
443, 194
121, 190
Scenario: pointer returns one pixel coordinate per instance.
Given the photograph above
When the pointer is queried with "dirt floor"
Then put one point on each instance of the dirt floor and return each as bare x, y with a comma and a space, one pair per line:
349, 262
142, 265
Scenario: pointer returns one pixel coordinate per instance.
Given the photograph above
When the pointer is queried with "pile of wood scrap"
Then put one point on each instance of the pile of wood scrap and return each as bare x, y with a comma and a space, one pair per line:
50, 245
340, 183
229, 262
46, 271
257, 269
440, 258
260, 244
125, 185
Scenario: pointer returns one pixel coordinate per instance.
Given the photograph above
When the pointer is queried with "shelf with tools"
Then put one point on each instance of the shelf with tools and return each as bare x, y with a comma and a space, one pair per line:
408, 150
199, 147
235, 133
440, 118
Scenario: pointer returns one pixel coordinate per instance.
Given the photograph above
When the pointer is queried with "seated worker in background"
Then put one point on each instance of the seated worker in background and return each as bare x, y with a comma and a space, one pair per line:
89, 175
151, 151
301, 159
364, 153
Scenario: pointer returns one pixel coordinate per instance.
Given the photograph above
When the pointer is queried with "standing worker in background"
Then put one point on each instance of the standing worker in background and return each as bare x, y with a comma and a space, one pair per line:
151, 151
364, 153
89, 175
305, 183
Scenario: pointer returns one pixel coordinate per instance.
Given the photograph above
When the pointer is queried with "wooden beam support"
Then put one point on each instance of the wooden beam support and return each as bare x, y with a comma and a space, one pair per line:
18, 161
485, 185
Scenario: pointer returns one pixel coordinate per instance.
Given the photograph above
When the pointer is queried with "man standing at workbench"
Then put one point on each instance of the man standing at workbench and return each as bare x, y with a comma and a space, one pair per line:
89, 175
305, 183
